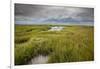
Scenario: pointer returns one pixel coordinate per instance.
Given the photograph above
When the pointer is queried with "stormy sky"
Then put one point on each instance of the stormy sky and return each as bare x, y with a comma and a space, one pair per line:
31, 14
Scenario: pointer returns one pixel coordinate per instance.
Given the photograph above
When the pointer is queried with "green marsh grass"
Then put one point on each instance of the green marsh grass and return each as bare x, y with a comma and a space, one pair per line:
72, 44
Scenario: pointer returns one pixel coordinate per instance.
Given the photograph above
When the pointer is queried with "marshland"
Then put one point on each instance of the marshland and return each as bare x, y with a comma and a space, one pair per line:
45, 34
36, 44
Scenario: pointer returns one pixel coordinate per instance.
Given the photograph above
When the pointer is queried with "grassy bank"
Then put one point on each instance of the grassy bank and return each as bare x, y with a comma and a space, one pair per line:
72, 44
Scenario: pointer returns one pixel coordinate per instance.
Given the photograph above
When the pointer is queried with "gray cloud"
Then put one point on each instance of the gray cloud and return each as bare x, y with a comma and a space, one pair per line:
41, 13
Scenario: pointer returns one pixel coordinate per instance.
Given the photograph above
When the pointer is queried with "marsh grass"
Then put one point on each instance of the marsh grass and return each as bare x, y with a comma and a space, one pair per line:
72, 44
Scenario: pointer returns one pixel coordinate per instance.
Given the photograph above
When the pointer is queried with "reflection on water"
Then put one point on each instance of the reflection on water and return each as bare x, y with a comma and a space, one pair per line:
40, 59
56, 28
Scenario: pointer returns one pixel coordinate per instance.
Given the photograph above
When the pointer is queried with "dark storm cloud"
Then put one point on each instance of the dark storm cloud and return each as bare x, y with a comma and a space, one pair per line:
29, 14
41, 11
27, 10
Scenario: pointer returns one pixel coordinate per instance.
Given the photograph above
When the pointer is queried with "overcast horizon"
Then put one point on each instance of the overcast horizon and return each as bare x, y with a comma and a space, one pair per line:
47, 14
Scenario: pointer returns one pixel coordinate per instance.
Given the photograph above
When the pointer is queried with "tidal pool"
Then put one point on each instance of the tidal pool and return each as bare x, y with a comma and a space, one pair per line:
56, 28
40, 59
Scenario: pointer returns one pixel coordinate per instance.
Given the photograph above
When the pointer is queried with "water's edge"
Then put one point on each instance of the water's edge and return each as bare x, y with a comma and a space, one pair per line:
40, 59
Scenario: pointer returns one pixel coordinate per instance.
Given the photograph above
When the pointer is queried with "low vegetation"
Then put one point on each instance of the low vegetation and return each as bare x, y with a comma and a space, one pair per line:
72, 44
